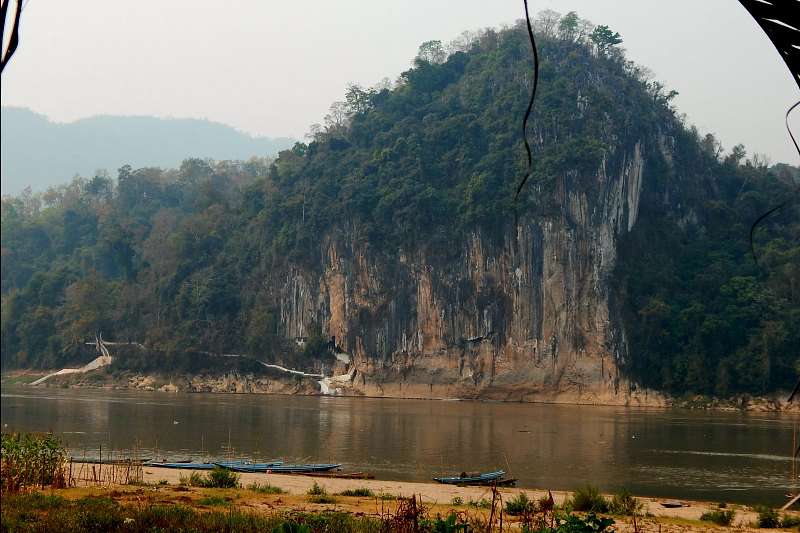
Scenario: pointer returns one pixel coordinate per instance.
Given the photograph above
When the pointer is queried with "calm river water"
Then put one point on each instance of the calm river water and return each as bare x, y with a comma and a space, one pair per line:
717, 456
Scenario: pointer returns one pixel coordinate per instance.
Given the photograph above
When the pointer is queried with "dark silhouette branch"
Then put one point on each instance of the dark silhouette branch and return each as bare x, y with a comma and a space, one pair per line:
13, 41
530, 102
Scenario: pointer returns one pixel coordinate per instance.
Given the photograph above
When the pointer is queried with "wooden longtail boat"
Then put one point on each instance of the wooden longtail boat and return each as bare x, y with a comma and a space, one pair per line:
475, 479
284, 469
211, 466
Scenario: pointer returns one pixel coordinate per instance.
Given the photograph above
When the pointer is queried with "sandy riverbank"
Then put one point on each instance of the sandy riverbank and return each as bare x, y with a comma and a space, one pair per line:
439, 497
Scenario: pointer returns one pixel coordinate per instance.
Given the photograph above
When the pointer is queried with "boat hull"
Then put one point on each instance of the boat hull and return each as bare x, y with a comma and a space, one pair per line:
285, 469
211, 466
482, 479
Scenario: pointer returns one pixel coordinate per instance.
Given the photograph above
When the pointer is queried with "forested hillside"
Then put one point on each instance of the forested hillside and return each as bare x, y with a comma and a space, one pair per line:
393, 229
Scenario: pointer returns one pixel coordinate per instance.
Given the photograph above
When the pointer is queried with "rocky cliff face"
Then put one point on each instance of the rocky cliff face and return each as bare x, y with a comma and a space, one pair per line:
523, 317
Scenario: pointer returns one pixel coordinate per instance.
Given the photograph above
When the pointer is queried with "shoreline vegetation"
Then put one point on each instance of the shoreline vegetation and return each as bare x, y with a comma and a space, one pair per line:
45, 491
236, 384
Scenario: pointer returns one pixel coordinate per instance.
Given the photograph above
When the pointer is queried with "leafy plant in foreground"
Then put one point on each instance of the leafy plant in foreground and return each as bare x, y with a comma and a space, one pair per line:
520, 505
720, 517
589, 499
31, 460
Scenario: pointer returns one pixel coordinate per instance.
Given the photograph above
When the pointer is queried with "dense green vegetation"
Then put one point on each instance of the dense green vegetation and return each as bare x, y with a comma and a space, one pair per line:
181, 259
702, 316
219, 478
31, 460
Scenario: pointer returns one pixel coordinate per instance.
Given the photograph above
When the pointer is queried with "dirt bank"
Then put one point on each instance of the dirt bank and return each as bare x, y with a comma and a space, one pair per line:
236, 383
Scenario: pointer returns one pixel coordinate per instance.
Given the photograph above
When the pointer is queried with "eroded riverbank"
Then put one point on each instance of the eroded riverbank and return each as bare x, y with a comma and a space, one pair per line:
236, 383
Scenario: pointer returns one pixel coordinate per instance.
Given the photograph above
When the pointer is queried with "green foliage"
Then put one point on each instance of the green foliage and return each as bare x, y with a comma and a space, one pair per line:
768, 518
483, 503
214, 500
318, 494
219, 478
790, 521
456, 501
720, 517
625, 504
520, 505
700, 315
265, 489
451, 524
604, 38
589, 499
571, 523
316, 490
32, 460
575, 524
223, 479
362, 492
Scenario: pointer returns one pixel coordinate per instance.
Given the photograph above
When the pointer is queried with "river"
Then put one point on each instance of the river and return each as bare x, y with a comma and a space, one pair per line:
706, 455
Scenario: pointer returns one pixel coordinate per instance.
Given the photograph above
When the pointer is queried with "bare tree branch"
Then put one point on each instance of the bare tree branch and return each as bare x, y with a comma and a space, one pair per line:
13, 41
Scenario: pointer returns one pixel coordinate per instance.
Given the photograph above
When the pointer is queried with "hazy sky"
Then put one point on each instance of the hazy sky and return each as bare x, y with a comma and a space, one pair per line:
274, 67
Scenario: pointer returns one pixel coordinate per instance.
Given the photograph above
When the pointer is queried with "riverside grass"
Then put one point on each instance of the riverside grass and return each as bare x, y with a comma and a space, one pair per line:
35, 512
32, 460
219, 478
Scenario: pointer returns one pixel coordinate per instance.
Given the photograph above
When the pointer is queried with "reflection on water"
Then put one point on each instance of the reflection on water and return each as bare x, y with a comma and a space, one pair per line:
682, 454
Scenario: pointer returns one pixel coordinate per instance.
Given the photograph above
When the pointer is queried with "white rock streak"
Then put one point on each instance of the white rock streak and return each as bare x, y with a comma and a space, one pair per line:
99, 362
290, 371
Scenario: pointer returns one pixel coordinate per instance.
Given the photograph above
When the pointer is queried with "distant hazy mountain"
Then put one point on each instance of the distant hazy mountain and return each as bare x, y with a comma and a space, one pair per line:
40, 153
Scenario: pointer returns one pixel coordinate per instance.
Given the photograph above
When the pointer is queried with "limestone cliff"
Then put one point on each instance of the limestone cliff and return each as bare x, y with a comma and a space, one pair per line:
523, 318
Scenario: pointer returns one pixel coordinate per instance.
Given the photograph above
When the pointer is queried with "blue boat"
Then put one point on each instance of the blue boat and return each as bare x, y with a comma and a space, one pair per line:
211, 466
188, 466
247, 464
477, 479
283, 469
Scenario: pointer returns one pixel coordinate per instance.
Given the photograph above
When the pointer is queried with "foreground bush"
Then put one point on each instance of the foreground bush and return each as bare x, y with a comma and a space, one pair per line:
588, 499
720, 517
362, 492
520, 505
769, 518
219, 478
788, 522
571, 523
266, 489
625, 504
318, 494
32, 460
